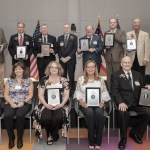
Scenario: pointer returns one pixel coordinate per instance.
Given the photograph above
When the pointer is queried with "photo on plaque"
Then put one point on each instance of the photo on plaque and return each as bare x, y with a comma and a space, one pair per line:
109, 39
84, 44
145, 97
45, 49
21, 52
93, 96
54, 96
131, 44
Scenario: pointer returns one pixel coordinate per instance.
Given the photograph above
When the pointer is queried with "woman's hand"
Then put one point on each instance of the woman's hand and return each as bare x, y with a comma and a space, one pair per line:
57, 106
83, 104
102, 104
20, 104
14, 105
50, 107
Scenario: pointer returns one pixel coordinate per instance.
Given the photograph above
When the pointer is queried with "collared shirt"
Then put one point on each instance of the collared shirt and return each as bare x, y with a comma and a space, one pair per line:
113, 31
43, 38
126, 73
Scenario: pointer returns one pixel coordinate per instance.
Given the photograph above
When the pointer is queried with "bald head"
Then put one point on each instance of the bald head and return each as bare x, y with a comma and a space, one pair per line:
136, 24
126, 63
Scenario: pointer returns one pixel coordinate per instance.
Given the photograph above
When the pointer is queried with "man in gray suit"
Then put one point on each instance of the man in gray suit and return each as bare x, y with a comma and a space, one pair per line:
114, 54
3, 45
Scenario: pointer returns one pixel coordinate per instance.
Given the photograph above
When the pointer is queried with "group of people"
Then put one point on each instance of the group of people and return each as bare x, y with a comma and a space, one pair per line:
123, 83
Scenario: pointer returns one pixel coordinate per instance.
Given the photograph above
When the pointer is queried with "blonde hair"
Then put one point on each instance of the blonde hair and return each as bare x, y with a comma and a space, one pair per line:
60, 69
96, 75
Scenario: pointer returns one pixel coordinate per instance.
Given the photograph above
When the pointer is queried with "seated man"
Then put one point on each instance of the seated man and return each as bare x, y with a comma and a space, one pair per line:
125, 88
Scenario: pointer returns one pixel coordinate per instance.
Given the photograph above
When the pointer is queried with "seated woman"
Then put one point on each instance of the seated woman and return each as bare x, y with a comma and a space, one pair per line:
94, 116
18, 93
51, 115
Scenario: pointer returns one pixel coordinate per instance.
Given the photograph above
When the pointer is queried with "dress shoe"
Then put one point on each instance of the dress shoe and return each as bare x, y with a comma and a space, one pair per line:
19, 143
135, 138
11, 143
122, 143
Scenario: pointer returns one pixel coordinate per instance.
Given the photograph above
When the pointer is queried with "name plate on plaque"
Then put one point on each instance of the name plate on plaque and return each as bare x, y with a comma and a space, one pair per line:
131, 45
145, 97
21, 52
84, 44
109, 39
54, 96
45, 49
93, 96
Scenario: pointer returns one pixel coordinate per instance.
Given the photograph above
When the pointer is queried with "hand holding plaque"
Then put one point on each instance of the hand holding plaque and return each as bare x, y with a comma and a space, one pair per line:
93, 97
45, 49
109, 39
54, 96
84, 44
21, 52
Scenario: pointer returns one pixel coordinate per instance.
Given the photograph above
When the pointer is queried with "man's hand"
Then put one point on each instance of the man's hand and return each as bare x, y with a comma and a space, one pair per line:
145, 62
78, 50
83, 104
50, 107
40, 55
26, 57
51, 51
63, 60
102, 104
67, 58
123, 107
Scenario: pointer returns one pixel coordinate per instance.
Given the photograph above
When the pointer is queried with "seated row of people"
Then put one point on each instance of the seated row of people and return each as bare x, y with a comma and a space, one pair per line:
19, 92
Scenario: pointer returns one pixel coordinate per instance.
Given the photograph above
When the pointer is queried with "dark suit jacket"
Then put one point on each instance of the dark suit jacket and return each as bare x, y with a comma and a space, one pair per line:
121, 89
4, 43
70, 49
96, 56
37, 49
117, 51
13, 43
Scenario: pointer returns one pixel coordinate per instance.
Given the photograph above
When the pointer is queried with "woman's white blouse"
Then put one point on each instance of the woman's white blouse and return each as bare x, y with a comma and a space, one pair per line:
82, 85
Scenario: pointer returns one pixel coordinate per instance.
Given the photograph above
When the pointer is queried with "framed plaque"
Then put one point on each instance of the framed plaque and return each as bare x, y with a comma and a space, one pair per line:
54, 96
109, 39
21, 52
93, 96
131, 44
45, 49
145, 97
85, 44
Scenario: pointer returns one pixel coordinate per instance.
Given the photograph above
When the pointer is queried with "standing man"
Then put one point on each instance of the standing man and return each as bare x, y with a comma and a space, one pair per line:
3, 45
95, 50
21, 39
67, 47
125, 89
114, 54
44, 38
140, 57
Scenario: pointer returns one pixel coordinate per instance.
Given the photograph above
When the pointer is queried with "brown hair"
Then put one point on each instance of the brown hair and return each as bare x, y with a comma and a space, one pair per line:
96, 75
19, 64
60, 69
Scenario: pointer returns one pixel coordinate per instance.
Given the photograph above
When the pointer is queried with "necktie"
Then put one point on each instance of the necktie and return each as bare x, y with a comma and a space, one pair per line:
129, 78
66, 40
21, 41
44, 39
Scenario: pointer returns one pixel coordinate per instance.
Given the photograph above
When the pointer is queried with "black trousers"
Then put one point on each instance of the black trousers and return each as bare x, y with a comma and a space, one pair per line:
95, 120
143, 119
52, 120
69, 68
20, 113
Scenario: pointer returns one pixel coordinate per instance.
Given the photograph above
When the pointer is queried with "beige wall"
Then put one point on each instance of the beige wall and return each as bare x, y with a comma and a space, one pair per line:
54, 14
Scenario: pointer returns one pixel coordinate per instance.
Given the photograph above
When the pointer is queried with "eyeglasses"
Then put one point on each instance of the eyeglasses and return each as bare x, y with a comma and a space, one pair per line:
90, 67
53, 67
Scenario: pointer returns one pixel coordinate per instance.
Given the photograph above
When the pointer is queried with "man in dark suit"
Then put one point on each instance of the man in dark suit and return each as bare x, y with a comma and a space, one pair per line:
21, 39
95, 49
125, 89
43, 60
114, 54
67, 47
